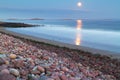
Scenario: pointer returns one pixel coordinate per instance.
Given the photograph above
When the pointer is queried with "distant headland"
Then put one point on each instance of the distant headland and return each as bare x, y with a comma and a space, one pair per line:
13, 24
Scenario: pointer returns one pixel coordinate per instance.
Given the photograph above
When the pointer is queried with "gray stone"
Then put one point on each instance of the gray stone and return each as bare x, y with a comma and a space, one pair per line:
43, 77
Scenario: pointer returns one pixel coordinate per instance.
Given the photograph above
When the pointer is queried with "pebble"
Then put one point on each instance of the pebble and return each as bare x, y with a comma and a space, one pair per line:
18, 63
7, 62
63, 77
35, 72
2, 55
15, 72
79, 64
31, 77
50, 79
2, 67
65, 69
5, 71
23, 72
42, 77
72, 74
32, 57
35, 59
6, 77
2, 61
71, 78
46, 57
12, 56
41, 69
56, 77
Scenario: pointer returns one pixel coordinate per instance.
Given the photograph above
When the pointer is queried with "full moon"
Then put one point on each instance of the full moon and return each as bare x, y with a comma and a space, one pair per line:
79, 4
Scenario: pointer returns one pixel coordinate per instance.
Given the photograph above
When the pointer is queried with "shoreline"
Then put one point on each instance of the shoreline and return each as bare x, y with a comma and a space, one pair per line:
62, 45
56, 60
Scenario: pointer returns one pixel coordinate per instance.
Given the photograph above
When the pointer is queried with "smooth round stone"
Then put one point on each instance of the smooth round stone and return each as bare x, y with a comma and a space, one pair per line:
55, 74
32, 63
63, 77
79, 64
3, 67
18, 63
108, 77
12, 56
7, 62
2, 55
61, 72
46, 57
35, 72
72, 65
43, 77
49, 73
31, 77
71, 78
65, 69
72, 74
50, 79
2, 61
41, 69
15, 72
32, 57
5, 71
56, 77
37, 61
6, 77
53, 66
23, 72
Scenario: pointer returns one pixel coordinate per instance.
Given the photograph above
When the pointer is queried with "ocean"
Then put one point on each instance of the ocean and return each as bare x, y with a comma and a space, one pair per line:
98, 34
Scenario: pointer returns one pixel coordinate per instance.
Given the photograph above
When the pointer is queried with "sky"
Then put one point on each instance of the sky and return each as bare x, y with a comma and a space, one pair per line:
92, 8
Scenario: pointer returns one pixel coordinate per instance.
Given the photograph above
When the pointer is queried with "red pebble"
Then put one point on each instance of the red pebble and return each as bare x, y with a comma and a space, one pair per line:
41, 69
63, 77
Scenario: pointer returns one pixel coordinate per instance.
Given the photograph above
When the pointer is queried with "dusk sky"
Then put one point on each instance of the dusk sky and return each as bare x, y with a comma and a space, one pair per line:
105, 8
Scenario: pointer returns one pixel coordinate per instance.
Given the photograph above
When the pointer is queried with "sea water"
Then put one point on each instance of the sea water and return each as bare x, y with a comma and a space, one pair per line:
99, 34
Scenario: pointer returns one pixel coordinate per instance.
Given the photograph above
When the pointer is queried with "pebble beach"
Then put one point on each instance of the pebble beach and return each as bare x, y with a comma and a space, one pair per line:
22, 59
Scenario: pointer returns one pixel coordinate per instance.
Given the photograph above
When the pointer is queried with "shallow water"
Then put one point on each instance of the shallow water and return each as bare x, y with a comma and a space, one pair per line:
99, 34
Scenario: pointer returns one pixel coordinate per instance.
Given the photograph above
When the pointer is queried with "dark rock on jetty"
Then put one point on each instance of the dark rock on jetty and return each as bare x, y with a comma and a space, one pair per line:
11, 24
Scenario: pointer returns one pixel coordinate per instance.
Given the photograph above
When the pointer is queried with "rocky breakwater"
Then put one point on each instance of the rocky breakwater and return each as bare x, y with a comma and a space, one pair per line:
15, 25
21, 60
